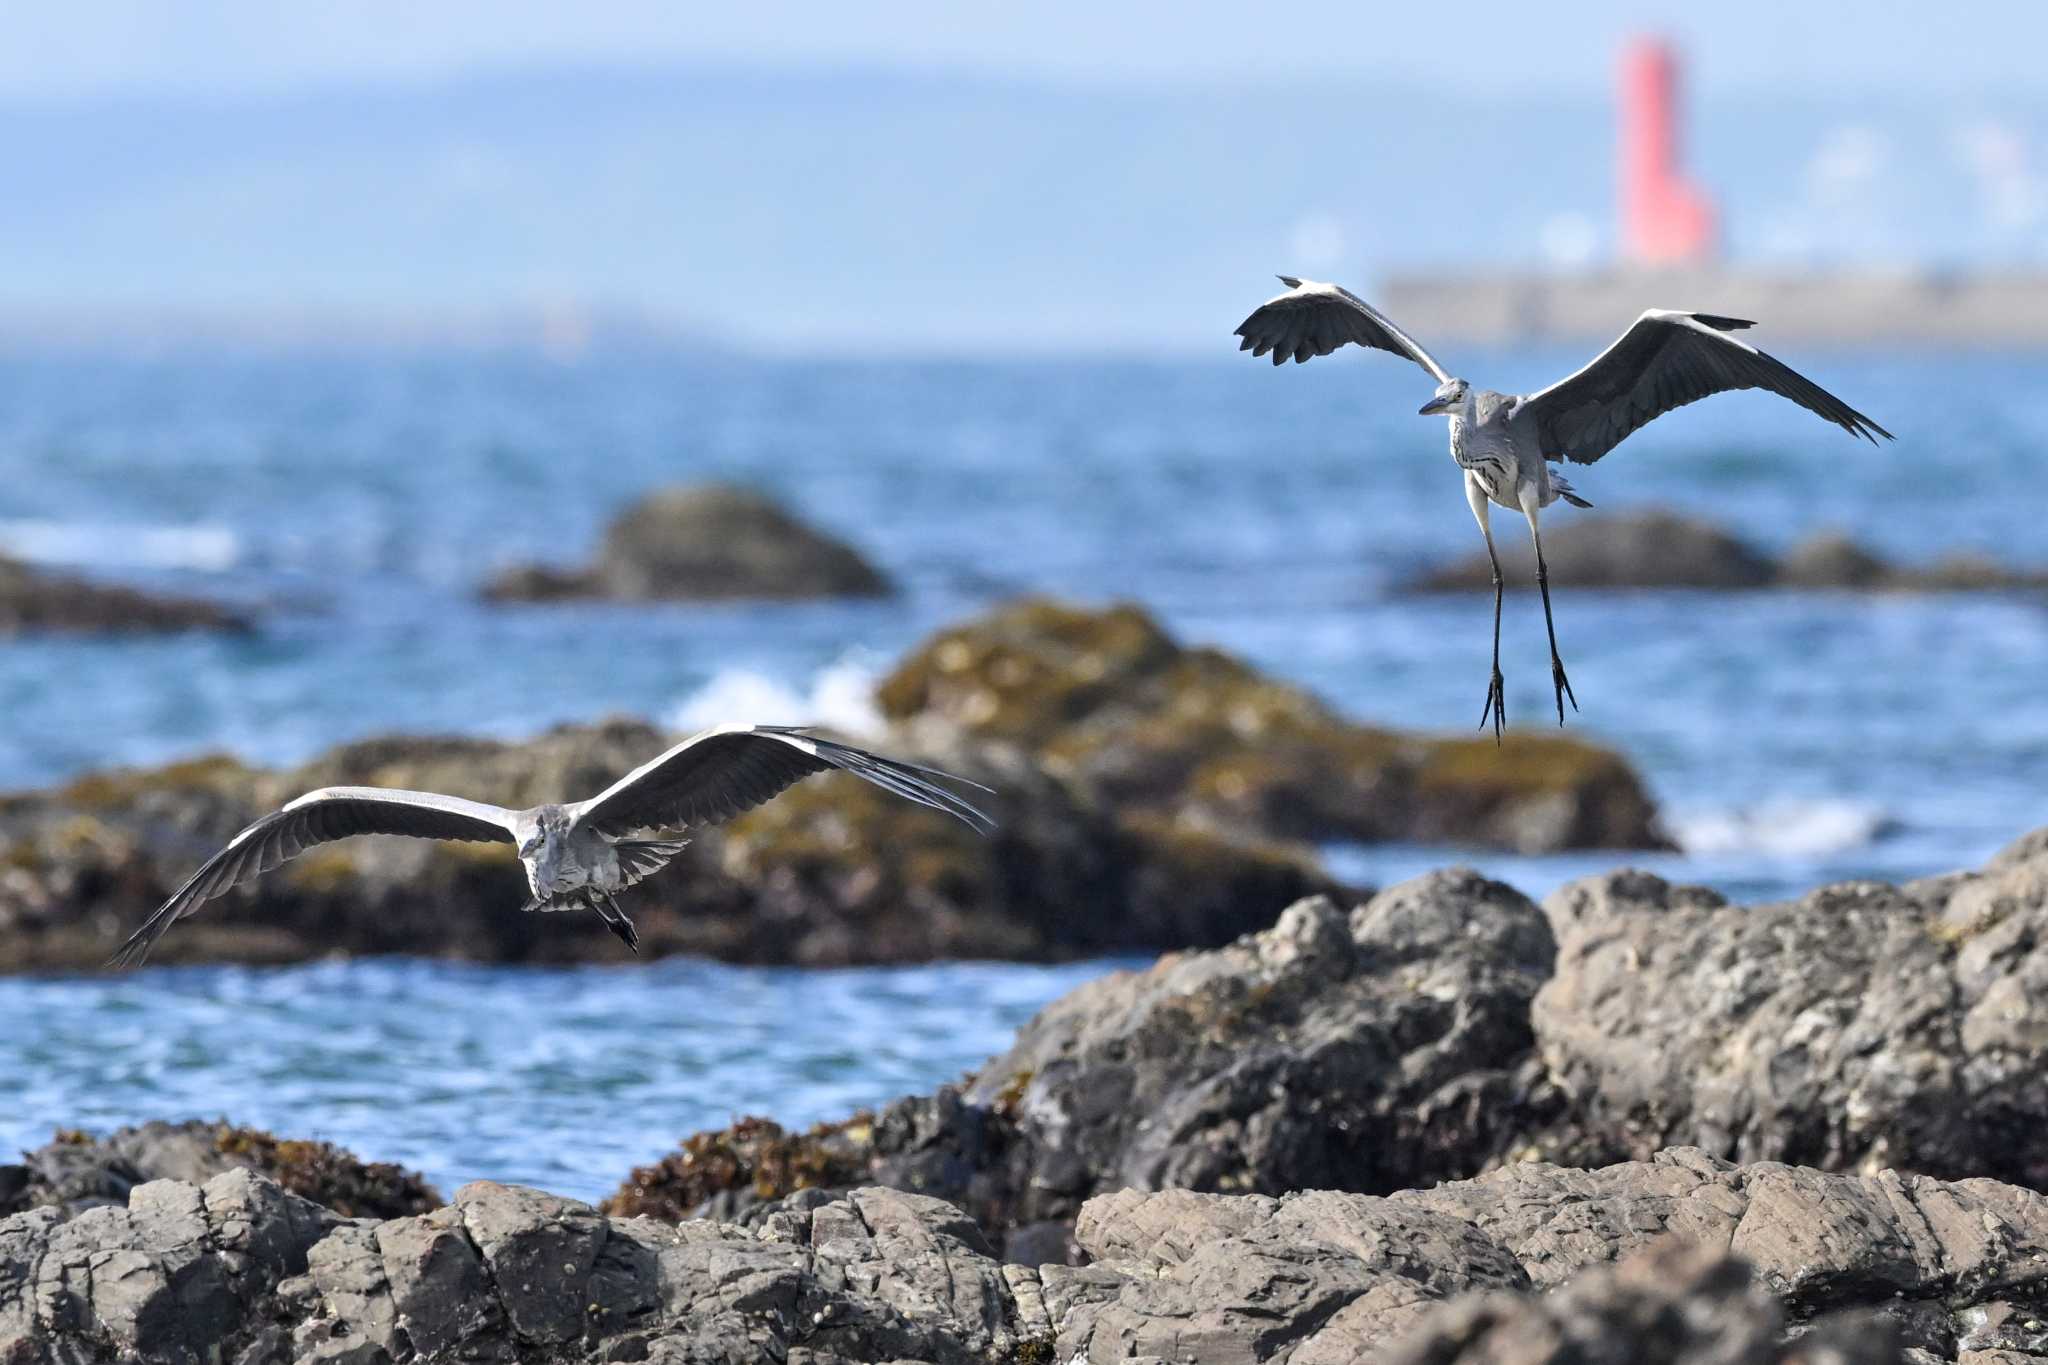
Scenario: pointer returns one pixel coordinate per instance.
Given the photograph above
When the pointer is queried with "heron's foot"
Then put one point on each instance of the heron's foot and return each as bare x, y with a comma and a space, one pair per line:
1496, 706
1563, 686
623, 927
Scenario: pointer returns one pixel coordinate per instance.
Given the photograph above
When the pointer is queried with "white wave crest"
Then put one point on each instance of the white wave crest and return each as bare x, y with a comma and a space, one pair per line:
841, 696
112, 545
1782, 828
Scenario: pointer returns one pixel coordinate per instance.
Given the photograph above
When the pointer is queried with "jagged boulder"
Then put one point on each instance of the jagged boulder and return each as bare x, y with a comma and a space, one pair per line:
1861, 1025
709, 543
1110, 702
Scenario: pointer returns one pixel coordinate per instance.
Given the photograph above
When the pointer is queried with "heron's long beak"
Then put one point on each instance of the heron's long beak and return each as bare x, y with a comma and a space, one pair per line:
1434, 405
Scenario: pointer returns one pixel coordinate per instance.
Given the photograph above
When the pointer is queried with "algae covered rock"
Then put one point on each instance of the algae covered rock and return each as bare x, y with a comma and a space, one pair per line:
1109, 701
37, 600
833, 871
710, 543
76, 1171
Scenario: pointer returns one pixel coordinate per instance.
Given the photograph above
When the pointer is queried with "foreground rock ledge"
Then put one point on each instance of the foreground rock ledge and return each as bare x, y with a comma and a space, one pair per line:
1450, 1024
1681, 1259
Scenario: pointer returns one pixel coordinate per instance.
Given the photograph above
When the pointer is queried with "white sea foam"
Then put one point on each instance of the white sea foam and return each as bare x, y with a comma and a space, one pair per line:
1785, 828
113, 545
841, 695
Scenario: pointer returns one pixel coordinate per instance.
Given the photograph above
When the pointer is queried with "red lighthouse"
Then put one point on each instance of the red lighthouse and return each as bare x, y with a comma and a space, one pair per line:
1665, 219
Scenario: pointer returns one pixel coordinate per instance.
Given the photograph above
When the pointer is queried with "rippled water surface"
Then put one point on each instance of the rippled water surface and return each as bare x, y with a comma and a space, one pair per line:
562, 1078
355, 504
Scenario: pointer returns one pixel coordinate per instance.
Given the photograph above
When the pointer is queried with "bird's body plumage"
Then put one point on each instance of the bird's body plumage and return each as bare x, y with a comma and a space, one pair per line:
1505, 443
576, 855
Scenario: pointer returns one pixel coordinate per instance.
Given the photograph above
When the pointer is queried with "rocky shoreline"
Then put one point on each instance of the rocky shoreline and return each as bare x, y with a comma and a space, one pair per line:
1444, 1124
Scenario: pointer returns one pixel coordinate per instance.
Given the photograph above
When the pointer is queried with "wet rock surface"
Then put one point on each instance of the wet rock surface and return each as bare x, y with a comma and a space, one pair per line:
712, 543
834, 871
1109, 702
1655, 548
37, 600
77, 1171
1682, 1259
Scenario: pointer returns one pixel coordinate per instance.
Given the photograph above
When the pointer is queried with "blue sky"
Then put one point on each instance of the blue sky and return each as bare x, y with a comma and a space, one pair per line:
1821, 46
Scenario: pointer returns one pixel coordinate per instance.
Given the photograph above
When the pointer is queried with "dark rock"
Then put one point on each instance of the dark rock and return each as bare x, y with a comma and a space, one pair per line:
833, 871
1368, 1051
36, 600
77, 1171
1684, 1260
1830, 560
1861, 1025
1655, 548
711, 543
1647, 549
1109, 701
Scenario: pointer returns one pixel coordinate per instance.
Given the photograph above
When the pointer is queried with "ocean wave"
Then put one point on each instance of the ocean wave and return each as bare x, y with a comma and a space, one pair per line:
113, 545
841, 695
1789, 828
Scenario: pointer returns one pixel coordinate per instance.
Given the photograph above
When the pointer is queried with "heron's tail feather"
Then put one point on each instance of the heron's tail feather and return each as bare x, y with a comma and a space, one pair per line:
1563, 488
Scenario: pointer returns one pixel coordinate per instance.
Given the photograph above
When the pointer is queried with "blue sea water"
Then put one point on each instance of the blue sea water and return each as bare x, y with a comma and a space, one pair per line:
356, 502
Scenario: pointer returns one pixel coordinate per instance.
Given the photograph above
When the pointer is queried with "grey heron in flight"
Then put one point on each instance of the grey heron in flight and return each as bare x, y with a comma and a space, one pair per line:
1503, 441
577, 855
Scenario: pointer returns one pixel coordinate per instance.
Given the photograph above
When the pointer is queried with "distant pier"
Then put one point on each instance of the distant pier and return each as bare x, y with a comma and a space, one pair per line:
1972, 309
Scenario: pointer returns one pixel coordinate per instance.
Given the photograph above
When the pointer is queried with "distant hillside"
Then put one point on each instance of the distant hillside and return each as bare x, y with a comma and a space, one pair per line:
878, 209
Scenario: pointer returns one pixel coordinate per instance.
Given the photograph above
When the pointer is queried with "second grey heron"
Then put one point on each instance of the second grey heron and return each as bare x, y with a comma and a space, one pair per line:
577, 855
1503, 442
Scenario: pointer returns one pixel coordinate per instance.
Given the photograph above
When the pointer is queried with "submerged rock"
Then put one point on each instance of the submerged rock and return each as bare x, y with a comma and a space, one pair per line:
1655, 548
76, 1171
834, 871
1108, 701
711, 543
1680, 1261
36, 600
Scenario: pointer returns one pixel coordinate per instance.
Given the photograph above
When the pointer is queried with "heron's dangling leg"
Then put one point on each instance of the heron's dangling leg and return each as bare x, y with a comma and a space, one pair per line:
1558, 680
1496, 709
615, 919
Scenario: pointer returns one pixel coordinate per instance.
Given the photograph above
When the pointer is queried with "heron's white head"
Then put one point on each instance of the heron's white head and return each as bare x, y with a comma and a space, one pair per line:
1450, 395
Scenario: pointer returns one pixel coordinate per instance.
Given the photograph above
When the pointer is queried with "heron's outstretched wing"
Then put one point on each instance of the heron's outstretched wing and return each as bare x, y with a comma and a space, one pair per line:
719, 773
1666, 360
1315, 319
319, 817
